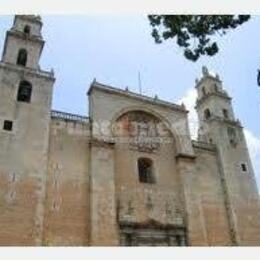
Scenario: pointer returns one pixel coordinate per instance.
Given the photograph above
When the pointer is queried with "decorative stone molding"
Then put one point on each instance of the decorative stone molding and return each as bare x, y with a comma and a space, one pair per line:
27, 71
102, 143
210, 95
204, 146
149, 100
188, 157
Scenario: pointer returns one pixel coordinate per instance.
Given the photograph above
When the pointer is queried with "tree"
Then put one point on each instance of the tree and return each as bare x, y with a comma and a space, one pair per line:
258, 77
194, 33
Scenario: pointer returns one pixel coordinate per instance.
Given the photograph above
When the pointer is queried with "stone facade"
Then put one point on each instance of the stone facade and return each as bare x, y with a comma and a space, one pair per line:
129, 174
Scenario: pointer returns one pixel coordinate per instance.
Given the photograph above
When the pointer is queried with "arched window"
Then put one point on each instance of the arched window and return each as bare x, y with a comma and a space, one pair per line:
204, 91
24, 92
22, 57
216, 87
225, 113
207, 114
145, 170
232, 134
27, 29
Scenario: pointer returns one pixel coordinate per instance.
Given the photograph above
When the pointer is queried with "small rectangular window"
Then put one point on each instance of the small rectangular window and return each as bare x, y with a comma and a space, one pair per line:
8, 125
243, 167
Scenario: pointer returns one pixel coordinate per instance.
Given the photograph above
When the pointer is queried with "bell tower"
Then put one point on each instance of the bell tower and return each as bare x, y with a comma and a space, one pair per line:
24, 43
218, 125
25, 105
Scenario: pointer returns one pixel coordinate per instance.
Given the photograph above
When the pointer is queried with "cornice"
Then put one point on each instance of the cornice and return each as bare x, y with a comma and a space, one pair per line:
232, 123
204, 146
31, 18
27, 71
199, 82
25, 36
101, 143
133, 95
182, 156
210, 95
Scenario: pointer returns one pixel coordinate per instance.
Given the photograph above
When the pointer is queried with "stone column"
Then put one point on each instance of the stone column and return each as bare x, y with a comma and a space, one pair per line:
196, 233
104, 230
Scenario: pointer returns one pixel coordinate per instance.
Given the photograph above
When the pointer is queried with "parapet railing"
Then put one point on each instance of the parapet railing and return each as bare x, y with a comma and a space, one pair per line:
68, 116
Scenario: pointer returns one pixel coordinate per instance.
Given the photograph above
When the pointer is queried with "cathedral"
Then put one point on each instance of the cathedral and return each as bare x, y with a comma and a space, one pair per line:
128, 174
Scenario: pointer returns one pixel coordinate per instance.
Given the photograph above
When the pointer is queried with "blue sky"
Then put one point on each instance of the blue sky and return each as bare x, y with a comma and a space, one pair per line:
113, 49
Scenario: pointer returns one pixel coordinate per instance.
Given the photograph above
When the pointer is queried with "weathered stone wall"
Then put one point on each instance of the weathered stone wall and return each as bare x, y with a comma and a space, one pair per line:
241, 185
66, 220
142, 202
23, 156
226, 132
107, 104
104, 228
64, 180
127, 199
206, 210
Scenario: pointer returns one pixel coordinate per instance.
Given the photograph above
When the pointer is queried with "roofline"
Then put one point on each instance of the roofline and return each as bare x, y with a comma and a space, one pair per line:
133, 95
31, 18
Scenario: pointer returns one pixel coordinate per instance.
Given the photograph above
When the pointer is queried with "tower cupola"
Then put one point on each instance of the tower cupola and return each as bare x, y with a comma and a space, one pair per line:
213, 101
24, 43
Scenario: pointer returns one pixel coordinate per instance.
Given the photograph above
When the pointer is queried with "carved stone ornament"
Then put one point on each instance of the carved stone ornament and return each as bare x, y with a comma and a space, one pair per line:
141, 130
205, 71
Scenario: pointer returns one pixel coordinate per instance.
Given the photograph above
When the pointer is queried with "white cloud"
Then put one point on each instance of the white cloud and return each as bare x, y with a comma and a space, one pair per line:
189, 101
253, 143
252, 140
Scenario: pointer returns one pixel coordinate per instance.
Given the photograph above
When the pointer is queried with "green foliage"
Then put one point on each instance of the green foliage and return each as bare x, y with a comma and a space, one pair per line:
194, 32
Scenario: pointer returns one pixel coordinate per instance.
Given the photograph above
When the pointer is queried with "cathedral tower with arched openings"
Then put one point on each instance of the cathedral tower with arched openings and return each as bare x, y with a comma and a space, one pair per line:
128, 174
25, 105
219, 126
